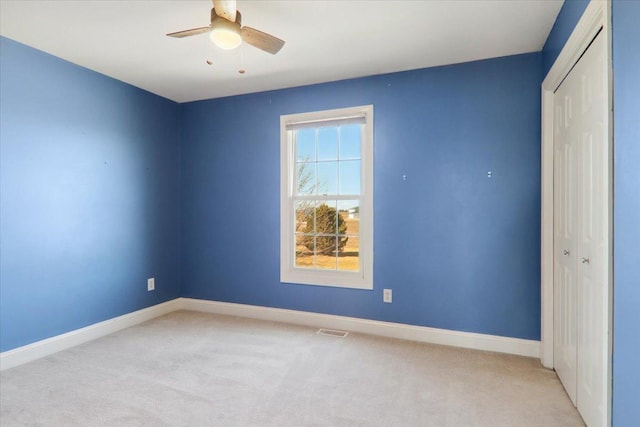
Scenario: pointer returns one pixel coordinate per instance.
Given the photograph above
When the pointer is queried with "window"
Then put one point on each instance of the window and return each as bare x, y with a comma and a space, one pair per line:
326, 200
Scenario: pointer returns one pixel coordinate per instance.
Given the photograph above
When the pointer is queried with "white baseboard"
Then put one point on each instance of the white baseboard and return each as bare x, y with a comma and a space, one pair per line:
46, 347
36, 350
495, 343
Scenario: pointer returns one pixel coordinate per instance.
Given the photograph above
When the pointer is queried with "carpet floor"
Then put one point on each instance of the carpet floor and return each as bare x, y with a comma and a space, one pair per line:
196, 369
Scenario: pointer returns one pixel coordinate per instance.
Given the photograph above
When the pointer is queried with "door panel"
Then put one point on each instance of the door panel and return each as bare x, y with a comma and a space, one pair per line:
592, 269
565, 349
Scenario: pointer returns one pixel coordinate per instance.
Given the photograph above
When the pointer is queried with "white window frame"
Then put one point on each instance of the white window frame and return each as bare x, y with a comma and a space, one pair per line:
362, 279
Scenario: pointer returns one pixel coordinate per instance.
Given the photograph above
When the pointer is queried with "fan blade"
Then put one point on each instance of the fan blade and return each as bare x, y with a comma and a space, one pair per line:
261, 40
191, 32
225, 9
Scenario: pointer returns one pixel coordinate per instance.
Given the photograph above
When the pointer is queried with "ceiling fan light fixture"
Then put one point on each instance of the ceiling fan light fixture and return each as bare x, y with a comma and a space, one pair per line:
226, 34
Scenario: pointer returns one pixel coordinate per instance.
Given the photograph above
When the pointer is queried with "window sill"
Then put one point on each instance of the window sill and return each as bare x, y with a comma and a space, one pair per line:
329, 278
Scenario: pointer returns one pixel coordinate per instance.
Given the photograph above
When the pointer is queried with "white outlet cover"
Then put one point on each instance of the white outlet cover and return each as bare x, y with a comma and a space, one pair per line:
151, 284
387, 295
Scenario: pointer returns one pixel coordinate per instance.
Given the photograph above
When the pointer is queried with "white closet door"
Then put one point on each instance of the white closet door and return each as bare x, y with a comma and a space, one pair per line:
580, 230
592, 249
565, 295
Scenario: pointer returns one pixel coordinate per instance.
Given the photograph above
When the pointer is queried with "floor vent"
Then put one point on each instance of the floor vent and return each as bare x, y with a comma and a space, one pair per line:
332, 333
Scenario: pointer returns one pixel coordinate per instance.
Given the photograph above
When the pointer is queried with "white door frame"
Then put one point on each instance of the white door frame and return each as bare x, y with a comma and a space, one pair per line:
597, 15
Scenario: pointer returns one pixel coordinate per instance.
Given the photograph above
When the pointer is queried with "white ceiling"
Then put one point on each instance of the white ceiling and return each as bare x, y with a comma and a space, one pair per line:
325, 40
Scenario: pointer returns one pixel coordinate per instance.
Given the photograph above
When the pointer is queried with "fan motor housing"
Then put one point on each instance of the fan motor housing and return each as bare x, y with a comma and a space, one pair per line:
215, 16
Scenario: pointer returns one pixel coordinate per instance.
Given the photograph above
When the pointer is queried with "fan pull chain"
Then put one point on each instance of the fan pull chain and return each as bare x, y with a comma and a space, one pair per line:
241, 70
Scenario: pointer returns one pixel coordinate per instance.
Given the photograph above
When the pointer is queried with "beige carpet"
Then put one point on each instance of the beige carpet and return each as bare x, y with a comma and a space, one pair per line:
194, 369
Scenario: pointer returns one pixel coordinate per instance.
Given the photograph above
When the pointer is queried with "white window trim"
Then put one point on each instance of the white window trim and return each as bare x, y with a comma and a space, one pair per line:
343, 279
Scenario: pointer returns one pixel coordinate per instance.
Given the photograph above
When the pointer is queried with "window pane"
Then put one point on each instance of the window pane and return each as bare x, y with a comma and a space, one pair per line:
328, 178
350, 212
350, 177
305, 145
304, 255
350, 138
305, 178
349, 257
326, 219
328, 143
326, 258
304, 219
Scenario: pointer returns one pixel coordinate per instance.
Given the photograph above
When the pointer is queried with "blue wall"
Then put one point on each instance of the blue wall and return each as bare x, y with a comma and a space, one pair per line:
626, 310
89, 197
460, 250
567, 18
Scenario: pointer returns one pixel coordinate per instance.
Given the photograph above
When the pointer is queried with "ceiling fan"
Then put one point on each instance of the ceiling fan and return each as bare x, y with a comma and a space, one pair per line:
227, 32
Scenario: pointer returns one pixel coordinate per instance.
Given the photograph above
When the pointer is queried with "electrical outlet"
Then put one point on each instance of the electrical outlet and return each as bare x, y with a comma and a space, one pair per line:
151, 284
387, 295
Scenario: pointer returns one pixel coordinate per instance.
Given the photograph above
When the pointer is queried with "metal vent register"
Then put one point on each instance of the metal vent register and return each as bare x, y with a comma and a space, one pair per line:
332, 333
